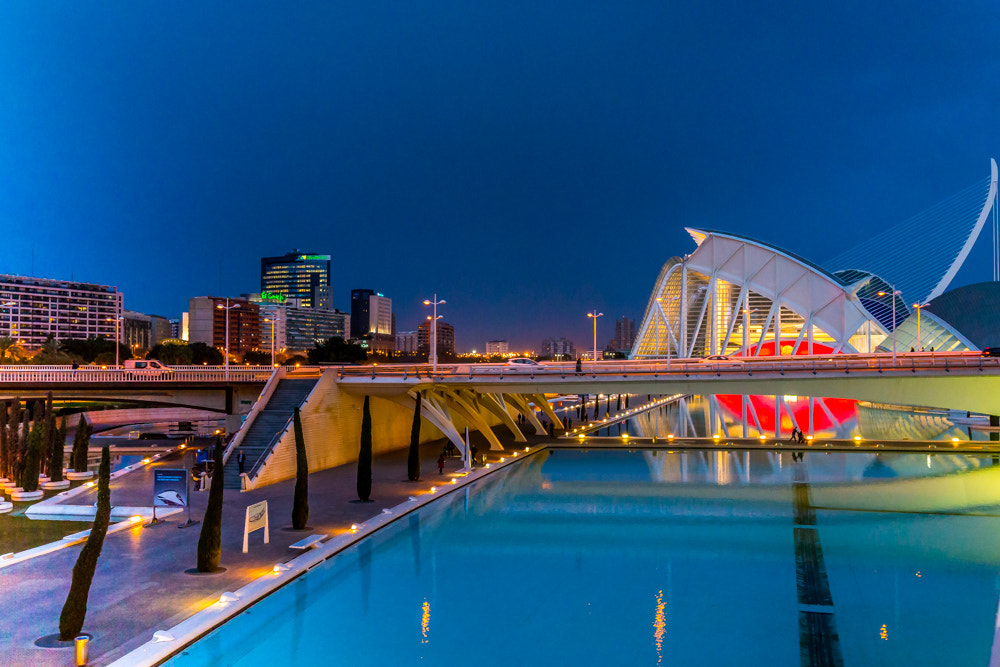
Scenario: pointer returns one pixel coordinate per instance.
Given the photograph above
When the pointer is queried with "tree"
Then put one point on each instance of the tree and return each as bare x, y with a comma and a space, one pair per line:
23, 448
413, 460
205, 354
172, 354
335, 350
11, 350
74, 611
51, 355
96, 349
36, 447
81, 445
365, 455
14, 440
210, 540
4, 451
58, 452
300, 502
48, 434
257, 357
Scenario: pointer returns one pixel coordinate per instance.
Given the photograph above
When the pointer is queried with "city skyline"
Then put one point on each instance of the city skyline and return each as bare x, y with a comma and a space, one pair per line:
526, 163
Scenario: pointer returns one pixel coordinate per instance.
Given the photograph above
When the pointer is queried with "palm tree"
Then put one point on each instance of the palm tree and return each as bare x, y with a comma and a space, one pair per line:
10, 348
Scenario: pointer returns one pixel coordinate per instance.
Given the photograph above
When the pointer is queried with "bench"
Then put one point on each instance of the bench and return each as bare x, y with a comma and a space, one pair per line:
308, 542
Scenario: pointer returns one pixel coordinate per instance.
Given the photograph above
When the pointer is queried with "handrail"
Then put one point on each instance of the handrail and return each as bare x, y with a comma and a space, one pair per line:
277, 375
68, 374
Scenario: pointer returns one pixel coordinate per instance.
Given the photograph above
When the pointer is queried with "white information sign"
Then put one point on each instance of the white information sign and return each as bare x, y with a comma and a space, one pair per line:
256, 519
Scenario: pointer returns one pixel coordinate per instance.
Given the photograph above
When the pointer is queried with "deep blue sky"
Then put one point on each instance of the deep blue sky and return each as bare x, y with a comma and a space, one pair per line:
529, 161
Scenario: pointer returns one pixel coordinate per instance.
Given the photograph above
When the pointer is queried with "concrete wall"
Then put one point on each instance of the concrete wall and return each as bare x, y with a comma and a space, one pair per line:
331, 426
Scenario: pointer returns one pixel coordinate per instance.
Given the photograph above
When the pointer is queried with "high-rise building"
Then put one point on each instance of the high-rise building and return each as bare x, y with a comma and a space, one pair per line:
497, 347
406, 342
445, 337
372, 320
558, 347
136, 331
207, 323
301, 276
297, 329
624, 334
33, 309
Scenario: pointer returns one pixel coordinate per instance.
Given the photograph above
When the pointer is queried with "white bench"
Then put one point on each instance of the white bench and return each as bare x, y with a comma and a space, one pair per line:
308, 542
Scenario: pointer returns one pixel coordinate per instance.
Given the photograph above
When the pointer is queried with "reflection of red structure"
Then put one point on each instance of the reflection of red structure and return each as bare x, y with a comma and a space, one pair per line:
840, 409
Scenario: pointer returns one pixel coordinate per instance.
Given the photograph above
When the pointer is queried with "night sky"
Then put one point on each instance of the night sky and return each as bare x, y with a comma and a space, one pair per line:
528, 161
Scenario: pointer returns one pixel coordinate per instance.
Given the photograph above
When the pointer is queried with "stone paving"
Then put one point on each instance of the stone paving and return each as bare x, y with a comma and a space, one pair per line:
141, 585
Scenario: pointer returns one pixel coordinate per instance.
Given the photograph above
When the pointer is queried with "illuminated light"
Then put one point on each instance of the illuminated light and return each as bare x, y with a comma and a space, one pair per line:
625, 436
809, 438
918, 574
763, 438
355, 527
581, 436
884, 633
434, 489
857, 438
228, 597
503, 459
280, 567
135, 519
146, 460
89, 485
513, 453
954, 439
487, 465
716, 436
182, 446
527, 449
454, 481
670, 437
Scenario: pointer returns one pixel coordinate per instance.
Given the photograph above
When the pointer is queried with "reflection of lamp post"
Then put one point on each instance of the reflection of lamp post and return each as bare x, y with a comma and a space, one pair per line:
227, 308
433, 354
920, 342
595, 315
271, 320
895, 293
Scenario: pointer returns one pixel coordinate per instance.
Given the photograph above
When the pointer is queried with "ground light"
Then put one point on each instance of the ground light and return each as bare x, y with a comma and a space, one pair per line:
857, 438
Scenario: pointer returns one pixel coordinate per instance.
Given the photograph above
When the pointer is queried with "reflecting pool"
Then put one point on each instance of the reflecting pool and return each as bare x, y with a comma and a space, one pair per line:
642, 557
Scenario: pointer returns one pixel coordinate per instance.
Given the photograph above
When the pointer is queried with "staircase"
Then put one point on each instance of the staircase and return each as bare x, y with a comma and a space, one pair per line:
270, 421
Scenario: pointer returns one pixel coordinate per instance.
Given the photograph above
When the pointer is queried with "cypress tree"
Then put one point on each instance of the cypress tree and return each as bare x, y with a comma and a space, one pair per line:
618, 403
58, 452
23, 449
33, 456
413, 460
210, 540
81, 443
75, 609
13, 440
4, 452
48, 434
300, 501
365, 455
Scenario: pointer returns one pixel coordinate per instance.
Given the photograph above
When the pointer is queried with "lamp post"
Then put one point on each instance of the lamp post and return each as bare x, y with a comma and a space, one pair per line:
227, 308
117, 320
433, 353
920, 342
595, 315
746, 328
271, 320
895, 293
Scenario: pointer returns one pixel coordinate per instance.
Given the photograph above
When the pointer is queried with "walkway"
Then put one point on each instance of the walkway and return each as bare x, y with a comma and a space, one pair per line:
140, 585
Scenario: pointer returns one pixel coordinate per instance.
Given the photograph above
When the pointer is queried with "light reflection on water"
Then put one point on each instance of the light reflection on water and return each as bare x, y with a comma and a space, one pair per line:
752, 416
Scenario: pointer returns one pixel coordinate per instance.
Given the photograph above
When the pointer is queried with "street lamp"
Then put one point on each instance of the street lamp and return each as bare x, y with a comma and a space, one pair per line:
746, 329
271, 320
227, 308
433, 354
117, 320
595, 315
895, 293
919, 307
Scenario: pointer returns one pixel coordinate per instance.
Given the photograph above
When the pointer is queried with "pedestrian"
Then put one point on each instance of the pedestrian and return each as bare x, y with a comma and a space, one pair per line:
441, 464
552, 430
795, 434
802, 438
474, 450
241, 460
579, 366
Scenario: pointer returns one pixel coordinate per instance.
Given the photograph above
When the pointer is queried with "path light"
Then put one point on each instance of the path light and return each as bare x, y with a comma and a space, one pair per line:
670, 436
716, 437
581, 436
857, 438
228, 596
954, 439
280, 567
434, 489
763, 438
355, 527
146, 460
502, 459
527, 449
89, 485
485, 466
809, 438
454, 481
135, 519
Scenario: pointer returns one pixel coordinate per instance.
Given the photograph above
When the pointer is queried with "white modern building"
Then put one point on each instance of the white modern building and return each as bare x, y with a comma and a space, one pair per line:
34, 309
497, 347
735, 295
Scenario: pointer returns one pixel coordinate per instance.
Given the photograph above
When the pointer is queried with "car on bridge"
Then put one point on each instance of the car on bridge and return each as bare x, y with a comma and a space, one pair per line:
720, 358
146, 368
524, 365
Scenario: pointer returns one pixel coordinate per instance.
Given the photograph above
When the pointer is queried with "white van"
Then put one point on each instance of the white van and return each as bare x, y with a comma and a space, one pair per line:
146, 368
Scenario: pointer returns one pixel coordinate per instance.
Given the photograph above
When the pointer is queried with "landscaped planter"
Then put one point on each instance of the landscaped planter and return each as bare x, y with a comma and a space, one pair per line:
64, 484
8, 484
6, 507
13, 489
25, 496
73, 475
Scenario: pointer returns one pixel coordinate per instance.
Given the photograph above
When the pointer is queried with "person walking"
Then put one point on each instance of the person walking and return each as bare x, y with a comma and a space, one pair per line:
241, 460
474, 450
441, 464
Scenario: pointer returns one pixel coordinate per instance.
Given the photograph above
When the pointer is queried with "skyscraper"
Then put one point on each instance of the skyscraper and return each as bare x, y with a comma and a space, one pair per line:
372, 320
299, 276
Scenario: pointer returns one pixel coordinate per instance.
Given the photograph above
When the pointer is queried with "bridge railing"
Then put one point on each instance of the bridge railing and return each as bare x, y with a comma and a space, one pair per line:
185, 374
879, 363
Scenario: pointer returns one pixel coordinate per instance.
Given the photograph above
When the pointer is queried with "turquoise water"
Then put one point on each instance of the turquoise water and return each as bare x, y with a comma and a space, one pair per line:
643, 558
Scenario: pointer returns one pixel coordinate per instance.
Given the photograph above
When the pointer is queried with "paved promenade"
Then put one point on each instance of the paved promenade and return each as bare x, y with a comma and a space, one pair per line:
141, 585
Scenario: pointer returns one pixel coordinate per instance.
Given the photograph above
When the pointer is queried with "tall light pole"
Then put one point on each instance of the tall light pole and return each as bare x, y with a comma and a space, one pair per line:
746, 328
227, 308
117, 320
595, 315
895, 293
920, 342
433, 354
271, 320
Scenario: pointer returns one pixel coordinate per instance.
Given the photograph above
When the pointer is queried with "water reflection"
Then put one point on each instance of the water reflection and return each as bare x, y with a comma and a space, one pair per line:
734, 416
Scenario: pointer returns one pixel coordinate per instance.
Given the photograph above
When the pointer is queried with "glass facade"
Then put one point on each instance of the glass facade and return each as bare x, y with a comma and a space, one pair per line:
305, 277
